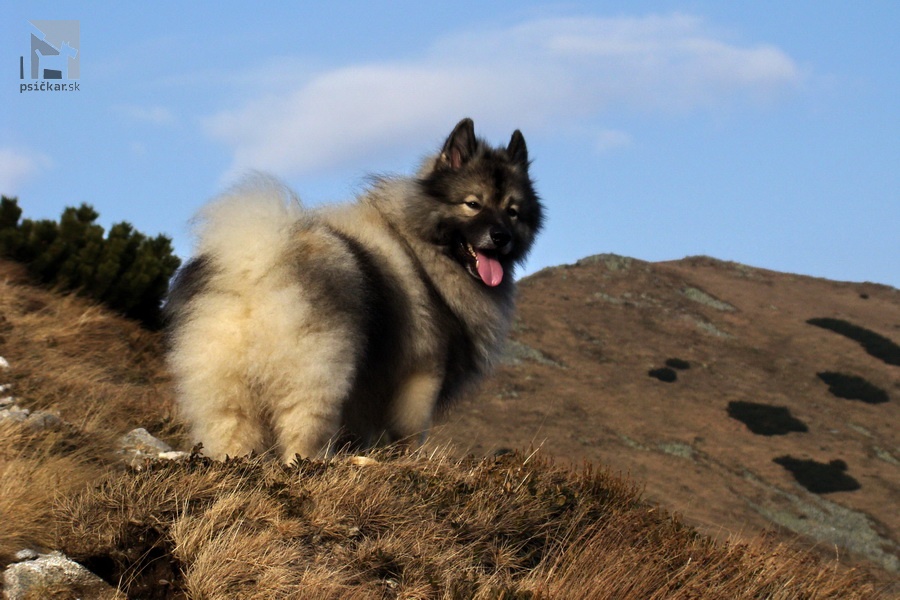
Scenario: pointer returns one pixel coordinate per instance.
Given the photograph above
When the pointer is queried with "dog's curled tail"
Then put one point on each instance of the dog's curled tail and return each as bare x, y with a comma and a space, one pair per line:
247, 229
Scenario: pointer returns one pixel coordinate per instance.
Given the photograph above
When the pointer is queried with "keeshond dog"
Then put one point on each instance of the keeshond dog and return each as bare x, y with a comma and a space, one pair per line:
305, 331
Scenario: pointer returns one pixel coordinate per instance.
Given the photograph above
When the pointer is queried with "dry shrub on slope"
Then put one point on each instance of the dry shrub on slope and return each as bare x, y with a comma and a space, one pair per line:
413, 527
32, 477
101, 374
420, 526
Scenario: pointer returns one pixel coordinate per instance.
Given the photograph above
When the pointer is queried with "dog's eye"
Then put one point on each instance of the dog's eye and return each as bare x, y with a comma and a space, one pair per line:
473, 205
513, 213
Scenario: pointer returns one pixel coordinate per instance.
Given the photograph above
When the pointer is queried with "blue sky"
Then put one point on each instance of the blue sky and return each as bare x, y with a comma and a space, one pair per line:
766, 133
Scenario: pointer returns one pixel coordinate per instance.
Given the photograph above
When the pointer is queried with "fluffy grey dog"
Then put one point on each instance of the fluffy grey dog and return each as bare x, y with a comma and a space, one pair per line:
305, 330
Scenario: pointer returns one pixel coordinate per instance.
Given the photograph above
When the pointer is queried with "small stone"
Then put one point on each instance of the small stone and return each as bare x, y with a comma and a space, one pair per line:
15, 413
4, 364
140, 441
138, 447
174, 455
41, 419
26, 554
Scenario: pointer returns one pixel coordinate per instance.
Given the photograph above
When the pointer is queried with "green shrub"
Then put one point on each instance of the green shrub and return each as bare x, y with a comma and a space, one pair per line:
819, 478
124, 269
677, 363
876, 345
853, 387
664, 374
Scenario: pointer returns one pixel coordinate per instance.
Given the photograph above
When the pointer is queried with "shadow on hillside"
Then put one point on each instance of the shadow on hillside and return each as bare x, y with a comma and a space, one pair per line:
765, 419
819, 478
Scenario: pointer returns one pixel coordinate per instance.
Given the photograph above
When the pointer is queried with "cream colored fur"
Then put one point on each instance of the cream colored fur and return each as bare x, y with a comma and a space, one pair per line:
237, 356
258, 364
262, 359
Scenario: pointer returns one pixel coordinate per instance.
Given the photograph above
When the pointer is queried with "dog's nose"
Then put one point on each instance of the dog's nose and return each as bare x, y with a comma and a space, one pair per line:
500, 236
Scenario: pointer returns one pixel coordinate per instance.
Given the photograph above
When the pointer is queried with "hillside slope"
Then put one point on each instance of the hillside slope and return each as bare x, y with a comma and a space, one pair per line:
577, 384
427, 525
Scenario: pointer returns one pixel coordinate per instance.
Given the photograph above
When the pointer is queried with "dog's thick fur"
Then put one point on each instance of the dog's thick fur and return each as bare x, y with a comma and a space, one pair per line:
301, 330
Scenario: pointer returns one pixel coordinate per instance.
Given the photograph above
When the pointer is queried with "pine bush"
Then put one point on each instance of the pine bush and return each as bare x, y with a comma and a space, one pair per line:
125, 269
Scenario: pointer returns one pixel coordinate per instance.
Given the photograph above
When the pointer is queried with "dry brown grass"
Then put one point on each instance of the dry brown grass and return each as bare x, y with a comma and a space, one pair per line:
100, 372
406, 526
103, 375
414, 527
30, 484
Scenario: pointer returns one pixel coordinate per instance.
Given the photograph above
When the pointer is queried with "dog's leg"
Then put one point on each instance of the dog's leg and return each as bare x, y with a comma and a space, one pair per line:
222, 414
314, 381
213, 392
413, 408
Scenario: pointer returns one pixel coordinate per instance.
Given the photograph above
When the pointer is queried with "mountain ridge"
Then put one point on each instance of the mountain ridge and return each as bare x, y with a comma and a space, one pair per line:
586, 379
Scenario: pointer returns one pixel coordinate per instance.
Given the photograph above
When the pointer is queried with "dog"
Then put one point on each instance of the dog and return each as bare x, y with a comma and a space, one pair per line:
349, 326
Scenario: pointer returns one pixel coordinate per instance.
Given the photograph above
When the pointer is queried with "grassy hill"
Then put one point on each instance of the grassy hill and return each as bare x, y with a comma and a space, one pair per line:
433, 524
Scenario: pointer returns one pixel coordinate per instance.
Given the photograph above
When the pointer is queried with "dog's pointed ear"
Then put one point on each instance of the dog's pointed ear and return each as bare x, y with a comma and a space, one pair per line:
460, 146
517, 150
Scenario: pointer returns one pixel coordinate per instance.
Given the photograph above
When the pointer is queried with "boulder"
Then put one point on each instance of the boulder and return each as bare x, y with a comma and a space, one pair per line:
54, 576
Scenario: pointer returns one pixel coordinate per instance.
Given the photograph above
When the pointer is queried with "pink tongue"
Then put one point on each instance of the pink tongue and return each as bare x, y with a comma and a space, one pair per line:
489, 269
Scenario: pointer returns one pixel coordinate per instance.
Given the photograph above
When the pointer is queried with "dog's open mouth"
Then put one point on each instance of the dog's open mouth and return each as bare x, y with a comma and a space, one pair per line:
480, 265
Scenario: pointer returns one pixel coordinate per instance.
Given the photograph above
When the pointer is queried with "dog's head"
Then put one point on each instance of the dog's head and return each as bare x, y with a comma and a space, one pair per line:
484, 210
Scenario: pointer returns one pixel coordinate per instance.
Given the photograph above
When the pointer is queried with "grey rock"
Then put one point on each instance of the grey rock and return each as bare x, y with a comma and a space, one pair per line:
54, 572
613, 262
140, 440
26, 554
138, 446
698, 295
14, 412
41, 419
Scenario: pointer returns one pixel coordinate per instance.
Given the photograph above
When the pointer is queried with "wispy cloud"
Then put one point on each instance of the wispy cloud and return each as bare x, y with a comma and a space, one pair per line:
157, 115
18, 166
610, 139
535, 75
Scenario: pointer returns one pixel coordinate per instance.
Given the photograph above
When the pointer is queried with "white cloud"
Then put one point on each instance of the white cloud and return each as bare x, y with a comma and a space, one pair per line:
17, 167
536, 75
610, 139
157, 115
